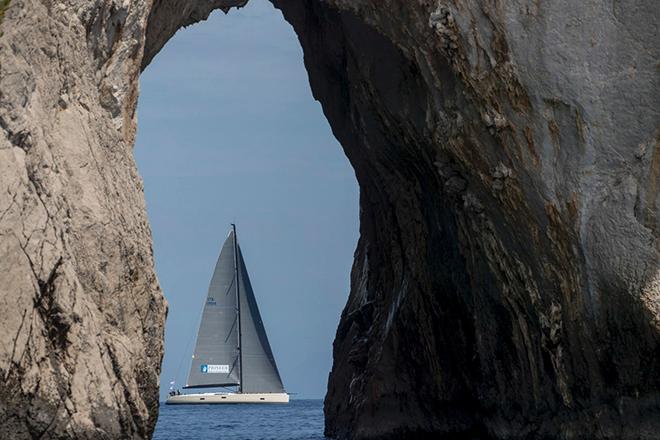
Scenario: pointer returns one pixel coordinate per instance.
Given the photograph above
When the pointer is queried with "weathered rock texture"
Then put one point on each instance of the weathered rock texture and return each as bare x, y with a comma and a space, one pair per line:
81, 340
82, 332
507, 278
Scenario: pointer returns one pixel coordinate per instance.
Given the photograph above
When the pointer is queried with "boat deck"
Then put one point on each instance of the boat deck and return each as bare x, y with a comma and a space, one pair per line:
215, 398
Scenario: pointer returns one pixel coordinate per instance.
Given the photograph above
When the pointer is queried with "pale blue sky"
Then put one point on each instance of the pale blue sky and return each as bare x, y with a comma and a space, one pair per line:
229, 131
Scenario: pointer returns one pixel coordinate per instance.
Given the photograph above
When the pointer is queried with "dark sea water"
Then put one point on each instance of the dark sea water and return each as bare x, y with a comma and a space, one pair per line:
299, 420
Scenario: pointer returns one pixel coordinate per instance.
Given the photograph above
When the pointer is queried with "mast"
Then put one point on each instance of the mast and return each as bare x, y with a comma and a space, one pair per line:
238, 303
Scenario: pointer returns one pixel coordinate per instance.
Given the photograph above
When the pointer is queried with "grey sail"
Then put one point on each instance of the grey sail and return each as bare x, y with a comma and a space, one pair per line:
260, 373
216, 357
230, 351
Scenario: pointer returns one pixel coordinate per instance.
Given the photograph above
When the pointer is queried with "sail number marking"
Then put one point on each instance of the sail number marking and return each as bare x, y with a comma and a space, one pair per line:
214, 369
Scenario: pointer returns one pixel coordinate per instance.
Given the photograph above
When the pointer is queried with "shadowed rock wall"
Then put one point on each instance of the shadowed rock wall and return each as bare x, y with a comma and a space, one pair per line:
506, 282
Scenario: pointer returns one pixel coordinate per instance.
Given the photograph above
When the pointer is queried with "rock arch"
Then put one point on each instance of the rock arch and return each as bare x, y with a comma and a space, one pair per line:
507, 278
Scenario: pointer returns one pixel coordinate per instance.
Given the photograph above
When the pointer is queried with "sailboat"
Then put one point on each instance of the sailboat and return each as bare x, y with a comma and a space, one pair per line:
232, 348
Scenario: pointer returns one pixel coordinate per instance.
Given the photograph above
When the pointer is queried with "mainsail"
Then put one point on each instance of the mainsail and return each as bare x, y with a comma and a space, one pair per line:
217, 337
232, 347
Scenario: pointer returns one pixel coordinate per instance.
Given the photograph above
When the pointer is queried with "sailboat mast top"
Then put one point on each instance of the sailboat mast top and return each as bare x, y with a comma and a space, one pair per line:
238, 303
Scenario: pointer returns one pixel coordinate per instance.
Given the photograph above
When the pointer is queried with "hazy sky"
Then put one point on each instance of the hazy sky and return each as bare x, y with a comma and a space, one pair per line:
229, 131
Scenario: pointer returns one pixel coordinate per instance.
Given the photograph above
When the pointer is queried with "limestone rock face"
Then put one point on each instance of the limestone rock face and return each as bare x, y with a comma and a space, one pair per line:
82, 312
507, 278
83, 315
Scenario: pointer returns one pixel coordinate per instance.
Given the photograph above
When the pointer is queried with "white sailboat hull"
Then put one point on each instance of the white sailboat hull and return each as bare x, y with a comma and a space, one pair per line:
224, 398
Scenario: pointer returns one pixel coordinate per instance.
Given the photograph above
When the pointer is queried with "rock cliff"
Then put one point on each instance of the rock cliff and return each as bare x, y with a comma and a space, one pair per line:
81, 340
507, 278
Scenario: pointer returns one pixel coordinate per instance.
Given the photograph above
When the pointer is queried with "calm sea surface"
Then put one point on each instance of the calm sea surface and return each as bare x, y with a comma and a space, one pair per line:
299, 420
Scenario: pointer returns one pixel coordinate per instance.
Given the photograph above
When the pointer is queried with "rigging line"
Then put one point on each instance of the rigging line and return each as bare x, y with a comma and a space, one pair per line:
231, 329
237, 262
191, 337
230, 285
234, 365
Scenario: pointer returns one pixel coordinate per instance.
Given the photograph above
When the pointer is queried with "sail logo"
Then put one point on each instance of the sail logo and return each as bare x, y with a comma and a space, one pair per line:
210, 301
214, 369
